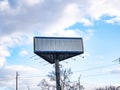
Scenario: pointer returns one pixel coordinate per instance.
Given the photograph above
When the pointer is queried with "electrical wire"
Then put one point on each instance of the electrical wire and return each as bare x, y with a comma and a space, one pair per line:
33, 77
95, 68
33, 56
73, 72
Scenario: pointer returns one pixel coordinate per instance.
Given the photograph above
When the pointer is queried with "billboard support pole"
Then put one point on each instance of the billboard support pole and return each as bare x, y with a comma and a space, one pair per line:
57, 71
55, 49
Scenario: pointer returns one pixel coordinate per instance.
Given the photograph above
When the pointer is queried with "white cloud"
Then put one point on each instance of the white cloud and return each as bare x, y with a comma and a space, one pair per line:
113, 20
29, 18
8, 74
100, 57
23, 53
32, 2
8, 71
49, 20
3, 53
22, 69
4, 5
70, 15
11, 41
104, 7
25, 78
2, 61
113, 71
89, 33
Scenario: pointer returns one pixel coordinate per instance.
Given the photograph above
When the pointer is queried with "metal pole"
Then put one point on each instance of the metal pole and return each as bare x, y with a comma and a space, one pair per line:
16, 80
57, 71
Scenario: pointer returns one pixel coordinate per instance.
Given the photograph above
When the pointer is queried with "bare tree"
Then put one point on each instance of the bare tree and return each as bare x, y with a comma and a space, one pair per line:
65, 81
44, 85
65, 75
107, 88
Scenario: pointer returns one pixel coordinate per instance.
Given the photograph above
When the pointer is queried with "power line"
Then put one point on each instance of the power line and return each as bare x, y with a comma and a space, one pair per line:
11, 78
33, 56
3, 79
33, 77
95, 68
96, 75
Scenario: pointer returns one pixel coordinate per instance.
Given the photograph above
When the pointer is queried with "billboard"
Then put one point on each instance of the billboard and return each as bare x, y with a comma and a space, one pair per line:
49, 47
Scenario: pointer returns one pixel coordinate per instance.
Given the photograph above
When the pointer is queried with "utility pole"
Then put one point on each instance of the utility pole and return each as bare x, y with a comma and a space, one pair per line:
17, 80
79, 82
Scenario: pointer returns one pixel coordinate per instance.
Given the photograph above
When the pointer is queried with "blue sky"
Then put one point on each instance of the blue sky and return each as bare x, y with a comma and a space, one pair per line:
97, 22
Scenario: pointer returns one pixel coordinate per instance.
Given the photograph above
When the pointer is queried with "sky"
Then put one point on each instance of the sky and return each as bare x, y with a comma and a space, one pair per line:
96, 21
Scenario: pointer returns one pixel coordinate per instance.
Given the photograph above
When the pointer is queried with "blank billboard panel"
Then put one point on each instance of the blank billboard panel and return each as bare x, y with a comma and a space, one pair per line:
47, 44
49, 47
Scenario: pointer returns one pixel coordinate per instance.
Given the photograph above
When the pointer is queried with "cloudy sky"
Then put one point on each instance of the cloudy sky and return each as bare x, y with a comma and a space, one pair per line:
96, 21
